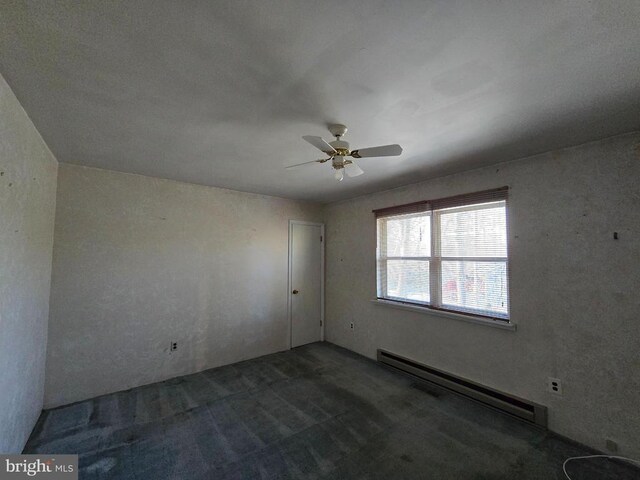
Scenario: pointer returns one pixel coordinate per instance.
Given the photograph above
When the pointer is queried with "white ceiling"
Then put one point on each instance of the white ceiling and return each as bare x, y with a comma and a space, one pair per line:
219, 93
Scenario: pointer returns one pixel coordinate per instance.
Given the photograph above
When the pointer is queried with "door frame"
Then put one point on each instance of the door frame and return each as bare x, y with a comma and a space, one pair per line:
290, 277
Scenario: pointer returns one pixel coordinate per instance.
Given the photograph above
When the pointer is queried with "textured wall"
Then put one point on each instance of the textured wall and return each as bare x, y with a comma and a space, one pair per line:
140, 262
574, 290
27, 207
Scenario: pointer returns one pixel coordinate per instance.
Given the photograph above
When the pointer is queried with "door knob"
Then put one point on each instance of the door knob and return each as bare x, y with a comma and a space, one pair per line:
295, 292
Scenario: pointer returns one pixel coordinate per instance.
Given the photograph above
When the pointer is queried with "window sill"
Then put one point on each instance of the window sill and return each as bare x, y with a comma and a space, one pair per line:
439, 313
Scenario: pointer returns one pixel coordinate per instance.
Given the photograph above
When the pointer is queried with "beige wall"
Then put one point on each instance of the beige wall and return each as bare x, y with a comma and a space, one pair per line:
140, 262
27, 206
574, 289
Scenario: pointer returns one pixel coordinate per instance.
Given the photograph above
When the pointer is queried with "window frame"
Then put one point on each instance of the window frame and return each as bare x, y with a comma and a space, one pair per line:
436, 259
386, 259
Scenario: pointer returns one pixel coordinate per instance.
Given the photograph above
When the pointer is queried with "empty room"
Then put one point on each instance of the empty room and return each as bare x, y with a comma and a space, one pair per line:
320, 240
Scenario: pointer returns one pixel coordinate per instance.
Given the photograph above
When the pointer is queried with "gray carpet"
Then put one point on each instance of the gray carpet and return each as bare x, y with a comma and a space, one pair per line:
317, 411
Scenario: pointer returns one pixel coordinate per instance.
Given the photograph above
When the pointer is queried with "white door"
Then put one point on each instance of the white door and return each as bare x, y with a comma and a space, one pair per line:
306, 247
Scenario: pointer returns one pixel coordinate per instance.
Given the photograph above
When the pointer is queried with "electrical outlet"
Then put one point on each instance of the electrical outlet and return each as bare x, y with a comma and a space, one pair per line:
174, 346
351, 325
554, 385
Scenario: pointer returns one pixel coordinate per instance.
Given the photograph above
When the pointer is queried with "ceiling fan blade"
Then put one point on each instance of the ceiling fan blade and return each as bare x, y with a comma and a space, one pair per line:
383, 151
320, 144
305, 163
352, 169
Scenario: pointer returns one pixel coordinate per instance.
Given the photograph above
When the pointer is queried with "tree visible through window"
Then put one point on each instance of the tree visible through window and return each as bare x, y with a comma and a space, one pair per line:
450, 258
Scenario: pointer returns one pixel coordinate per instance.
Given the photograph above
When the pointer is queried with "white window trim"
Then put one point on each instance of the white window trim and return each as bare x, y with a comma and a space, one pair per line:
425, 310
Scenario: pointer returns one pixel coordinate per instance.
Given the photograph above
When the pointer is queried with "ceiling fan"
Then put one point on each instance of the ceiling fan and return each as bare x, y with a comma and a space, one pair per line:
338, 150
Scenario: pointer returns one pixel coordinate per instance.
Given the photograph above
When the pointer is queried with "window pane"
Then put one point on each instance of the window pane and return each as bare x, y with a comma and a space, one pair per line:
408, 280
409, 236
478, 232
475, 287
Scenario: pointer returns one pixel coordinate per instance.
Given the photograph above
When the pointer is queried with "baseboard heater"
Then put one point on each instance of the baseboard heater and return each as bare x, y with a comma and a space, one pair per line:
524, 409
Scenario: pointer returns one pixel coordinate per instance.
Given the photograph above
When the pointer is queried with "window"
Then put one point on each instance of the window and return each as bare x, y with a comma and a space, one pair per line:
447, 254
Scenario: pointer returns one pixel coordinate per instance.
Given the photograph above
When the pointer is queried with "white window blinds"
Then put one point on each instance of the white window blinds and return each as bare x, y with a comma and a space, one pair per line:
448, 254
404, 254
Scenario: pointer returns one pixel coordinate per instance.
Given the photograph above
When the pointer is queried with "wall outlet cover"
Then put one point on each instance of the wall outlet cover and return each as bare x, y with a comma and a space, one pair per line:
554, 385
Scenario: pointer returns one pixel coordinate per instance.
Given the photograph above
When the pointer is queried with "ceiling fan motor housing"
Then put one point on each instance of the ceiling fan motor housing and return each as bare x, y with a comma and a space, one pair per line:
341, 147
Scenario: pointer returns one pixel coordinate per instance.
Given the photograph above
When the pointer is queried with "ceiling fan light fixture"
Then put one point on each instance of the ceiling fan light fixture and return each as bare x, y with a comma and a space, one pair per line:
339, 174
